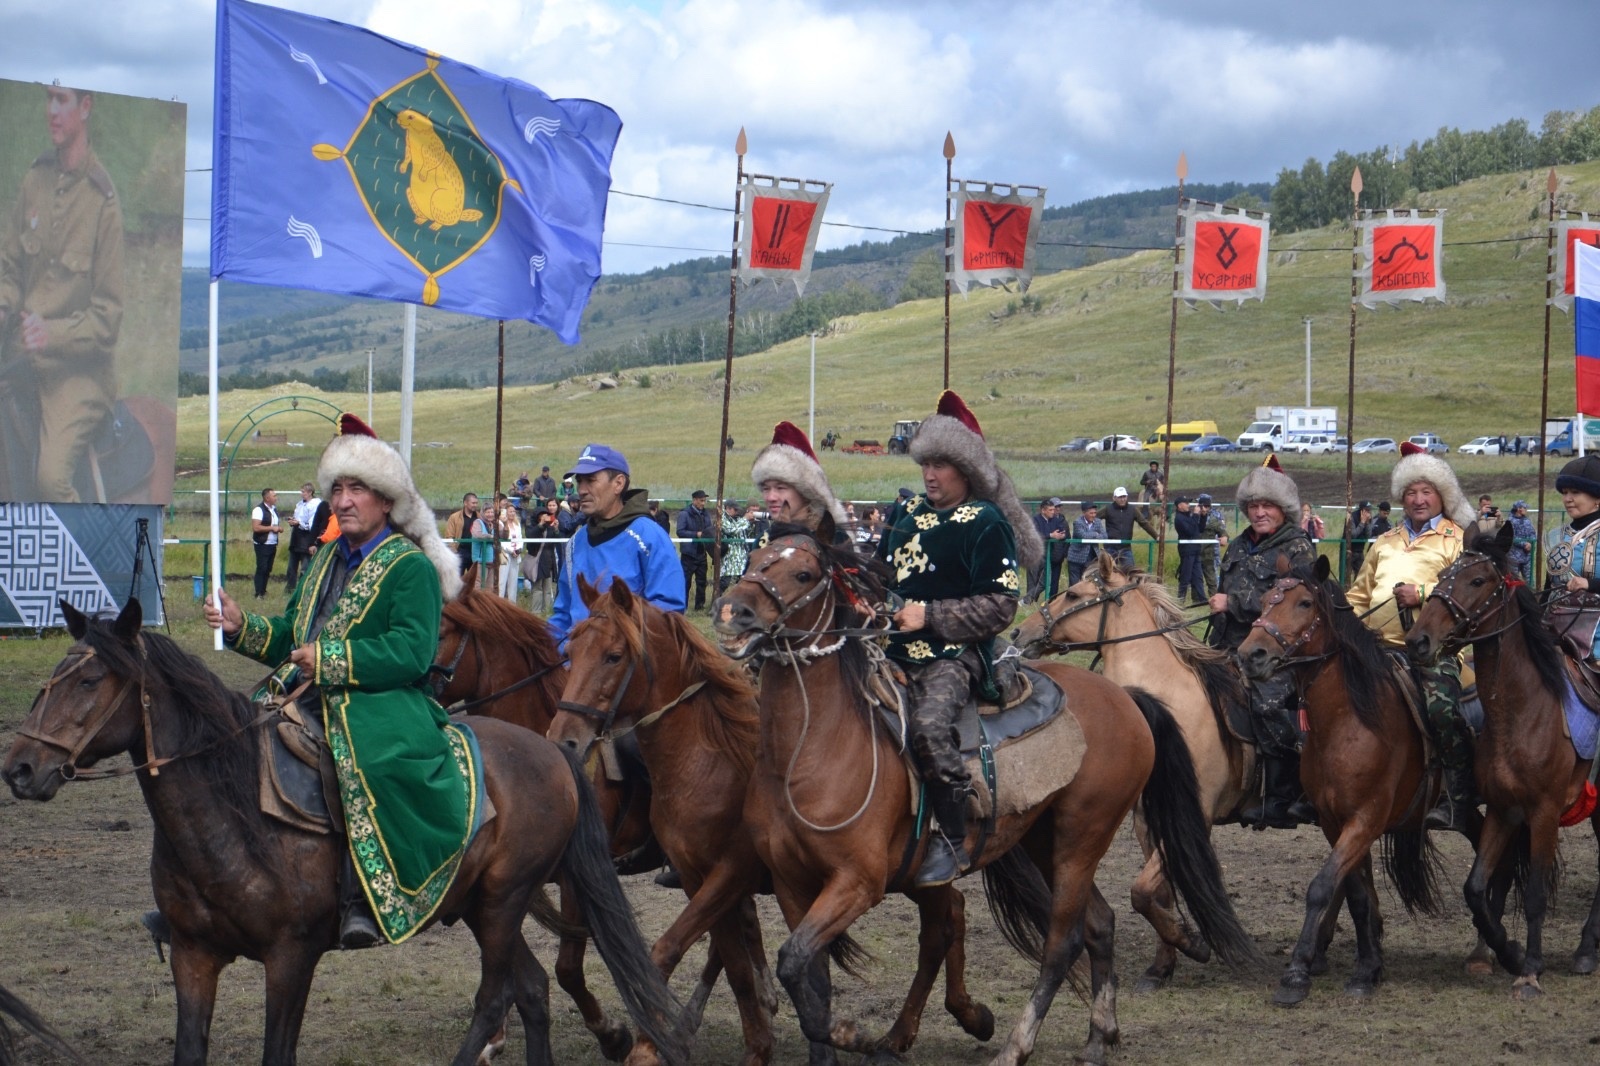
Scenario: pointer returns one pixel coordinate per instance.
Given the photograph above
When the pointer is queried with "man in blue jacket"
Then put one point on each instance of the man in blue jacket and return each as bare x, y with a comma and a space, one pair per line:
618, 541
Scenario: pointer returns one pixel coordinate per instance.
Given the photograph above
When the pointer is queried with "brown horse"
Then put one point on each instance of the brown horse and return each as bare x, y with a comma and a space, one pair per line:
1363, 766
1526, 768
836, 824
1142, 635
232, 882
643, 671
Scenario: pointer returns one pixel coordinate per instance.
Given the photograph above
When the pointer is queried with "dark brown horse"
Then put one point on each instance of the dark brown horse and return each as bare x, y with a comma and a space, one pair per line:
231, 882
834, 813
1526, 768
1363, 766
643, 671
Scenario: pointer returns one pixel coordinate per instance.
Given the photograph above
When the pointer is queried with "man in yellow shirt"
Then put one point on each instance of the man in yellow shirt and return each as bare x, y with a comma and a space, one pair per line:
1400, 569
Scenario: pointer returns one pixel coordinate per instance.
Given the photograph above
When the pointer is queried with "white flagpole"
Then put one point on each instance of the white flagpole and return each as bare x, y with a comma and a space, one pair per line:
408, 379
216, 505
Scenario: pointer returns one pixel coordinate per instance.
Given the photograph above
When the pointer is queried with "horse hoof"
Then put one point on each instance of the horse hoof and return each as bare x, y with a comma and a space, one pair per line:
1197, 948
1359, 988
1292, 990
1148, 982
615, 1042
1526, 989
981, 1024
1583, 964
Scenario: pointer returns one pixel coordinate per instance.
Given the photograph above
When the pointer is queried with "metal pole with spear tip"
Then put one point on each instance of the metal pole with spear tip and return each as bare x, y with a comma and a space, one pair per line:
1172, 367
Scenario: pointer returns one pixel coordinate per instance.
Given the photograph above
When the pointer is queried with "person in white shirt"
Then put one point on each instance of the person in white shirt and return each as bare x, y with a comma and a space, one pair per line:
264, 530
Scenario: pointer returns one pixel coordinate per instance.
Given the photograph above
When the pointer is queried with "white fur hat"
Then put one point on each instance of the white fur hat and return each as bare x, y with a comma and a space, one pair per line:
1416, 464
789, 459
357, 452
953, 434
1269, 482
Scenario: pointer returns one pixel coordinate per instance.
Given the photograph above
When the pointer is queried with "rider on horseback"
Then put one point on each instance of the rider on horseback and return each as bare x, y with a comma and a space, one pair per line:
955, 550
1270, 501
791, 481
1405, 562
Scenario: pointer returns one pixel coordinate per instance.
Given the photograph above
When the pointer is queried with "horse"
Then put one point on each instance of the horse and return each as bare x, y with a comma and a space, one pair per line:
832, 805
640, 670
12, 1006
1363, 765
1527, 770
232, 882
1142, 635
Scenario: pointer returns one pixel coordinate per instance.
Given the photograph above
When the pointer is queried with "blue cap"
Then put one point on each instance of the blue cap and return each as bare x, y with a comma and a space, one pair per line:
598, 457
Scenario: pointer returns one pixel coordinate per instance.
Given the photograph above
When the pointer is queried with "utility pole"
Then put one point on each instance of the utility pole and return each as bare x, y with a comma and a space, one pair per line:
1307, 321
369, 386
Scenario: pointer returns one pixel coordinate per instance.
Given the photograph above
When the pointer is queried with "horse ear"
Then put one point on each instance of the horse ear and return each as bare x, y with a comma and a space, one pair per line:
826, 529
1284, 565
1321, 568
469, 577
1506, 537
128, 622
622, 595
77, 621
587, 592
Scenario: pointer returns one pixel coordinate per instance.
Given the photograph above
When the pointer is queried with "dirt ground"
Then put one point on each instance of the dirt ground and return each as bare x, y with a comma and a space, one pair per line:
74, 880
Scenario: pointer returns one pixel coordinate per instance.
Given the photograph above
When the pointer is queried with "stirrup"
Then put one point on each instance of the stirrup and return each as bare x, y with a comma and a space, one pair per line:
943, 863
358, 929
1447, 815
669, 877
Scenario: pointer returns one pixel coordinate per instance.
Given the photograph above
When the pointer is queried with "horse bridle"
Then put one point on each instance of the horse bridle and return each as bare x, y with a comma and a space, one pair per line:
1467, 621
440, 675
1276, 595
1104, 600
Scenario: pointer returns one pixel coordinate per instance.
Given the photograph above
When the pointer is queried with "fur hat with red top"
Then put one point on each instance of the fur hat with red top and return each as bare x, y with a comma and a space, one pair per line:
953, 434
789, 459
1268, 482
1418, 464
357, 452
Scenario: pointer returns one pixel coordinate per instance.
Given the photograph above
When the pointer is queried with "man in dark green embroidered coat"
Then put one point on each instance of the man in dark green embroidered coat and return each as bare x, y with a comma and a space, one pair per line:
955, 550
361, 628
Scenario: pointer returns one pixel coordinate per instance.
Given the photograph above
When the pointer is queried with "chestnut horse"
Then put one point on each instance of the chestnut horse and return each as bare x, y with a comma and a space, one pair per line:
233, 882
1363, 766
835, 818
640, 670
1527, 770
1142, 635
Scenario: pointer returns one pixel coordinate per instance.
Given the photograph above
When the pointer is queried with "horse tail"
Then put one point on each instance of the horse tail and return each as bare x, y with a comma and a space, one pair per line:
1412, 864
848, 954
1181, 833
1019, 902
542, 910
30, 1023
587, 867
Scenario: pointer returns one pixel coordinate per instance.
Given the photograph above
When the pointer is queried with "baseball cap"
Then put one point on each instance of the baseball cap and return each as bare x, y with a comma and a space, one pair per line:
1120, 490
1364, 505
698, 494
1520, 505
1383, 506
1181, 499
1089, 505
1054, 501
597, 457
905, 494
1204, 498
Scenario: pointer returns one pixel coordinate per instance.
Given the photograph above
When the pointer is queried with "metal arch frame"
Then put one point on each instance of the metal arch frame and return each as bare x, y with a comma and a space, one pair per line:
252, 419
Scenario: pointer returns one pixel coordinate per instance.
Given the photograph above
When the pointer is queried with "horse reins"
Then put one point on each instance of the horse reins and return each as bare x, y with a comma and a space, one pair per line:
1278, 593
1104, 600
1467, 621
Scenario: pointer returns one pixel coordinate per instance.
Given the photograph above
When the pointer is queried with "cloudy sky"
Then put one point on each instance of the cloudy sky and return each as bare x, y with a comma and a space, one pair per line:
1086, 97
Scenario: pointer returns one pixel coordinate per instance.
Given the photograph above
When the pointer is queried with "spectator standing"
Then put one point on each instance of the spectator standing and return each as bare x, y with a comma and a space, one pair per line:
509, 529
869, 529
458, 529
735, 544
1312, 523
1380, 521
1153, 484
1523, 534
1190, 526
481, 542
1044, 579
1357, 532
1086, 527
264, 530
1211, 554
544, 486
1120, 518
660, 516
1489, 519
311, 517
547, 563
694, 529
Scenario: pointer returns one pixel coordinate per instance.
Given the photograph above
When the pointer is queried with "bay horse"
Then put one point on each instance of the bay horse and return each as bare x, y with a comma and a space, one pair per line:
834, 817
1363, 766
1141, 633
639, 670
1527, 770
232, 882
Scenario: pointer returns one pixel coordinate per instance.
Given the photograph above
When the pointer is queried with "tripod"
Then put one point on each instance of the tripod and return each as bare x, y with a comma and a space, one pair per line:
142, 550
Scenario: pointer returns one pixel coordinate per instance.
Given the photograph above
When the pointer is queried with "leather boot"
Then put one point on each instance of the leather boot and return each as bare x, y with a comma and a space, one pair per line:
1281, 806
357, 926
669, 877
1458, 802
946, 858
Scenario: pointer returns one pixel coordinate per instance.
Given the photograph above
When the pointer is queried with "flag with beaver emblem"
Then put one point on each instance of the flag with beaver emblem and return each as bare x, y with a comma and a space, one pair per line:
348, 162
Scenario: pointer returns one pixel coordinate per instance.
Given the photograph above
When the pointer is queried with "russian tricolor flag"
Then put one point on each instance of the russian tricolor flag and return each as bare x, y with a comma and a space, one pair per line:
1586, 322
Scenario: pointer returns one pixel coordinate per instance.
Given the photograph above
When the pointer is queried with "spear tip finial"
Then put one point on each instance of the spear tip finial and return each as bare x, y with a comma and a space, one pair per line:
742, 144
949, 146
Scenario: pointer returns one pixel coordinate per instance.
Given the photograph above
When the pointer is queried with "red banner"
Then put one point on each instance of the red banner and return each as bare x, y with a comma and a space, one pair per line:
1402, 252
1226, 254
1589, 235
996, 236
780, 232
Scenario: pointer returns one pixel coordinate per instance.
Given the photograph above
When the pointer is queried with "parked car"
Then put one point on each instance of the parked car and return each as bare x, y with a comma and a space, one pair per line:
1434, 444
1211, 442
1076, 444
1116, 442
1481, 446
1376, 444
1310, 444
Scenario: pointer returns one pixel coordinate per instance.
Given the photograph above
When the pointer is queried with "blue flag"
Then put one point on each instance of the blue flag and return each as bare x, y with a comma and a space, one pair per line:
347, 162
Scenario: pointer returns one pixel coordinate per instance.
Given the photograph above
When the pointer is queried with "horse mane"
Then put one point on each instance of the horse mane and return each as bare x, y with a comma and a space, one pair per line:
1214, 666
206, 716
1365, 660
1544, 648
514, 630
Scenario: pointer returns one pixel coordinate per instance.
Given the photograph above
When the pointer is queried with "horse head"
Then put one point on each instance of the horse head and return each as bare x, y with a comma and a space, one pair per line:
1471, 593
786, 592
1077, 617
1293, 624
605, 651
87, 710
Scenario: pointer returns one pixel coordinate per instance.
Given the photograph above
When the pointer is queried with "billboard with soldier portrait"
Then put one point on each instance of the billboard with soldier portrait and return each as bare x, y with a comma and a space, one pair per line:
91, 248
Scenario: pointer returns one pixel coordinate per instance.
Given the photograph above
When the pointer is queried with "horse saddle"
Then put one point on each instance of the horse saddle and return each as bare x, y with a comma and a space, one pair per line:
298, 782
1025, 706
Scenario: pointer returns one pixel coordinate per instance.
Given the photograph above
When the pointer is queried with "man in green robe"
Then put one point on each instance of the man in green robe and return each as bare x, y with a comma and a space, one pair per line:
360, 631
955, 550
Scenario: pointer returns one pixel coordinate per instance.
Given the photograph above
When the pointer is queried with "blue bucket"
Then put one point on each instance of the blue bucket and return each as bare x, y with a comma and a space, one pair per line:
199, 587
